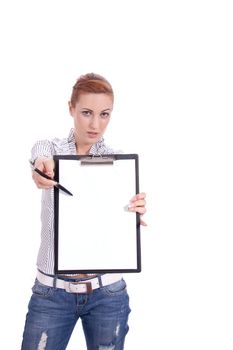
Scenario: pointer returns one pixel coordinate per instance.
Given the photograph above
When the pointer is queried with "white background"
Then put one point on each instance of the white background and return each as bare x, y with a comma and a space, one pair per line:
170, 64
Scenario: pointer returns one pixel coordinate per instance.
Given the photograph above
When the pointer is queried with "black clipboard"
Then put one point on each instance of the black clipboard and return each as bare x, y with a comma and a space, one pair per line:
93, 230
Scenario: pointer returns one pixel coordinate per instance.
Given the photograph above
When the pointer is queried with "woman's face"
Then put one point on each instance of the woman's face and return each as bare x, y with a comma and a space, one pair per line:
91, 116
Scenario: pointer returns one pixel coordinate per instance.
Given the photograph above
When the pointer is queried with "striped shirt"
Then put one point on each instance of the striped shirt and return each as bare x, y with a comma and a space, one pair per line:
49, 148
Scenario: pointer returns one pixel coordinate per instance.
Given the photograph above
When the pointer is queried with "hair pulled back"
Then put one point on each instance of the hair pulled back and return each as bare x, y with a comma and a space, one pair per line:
90, 83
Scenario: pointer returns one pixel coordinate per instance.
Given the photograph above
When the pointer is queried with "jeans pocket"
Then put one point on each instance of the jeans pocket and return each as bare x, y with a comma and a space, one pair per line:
42, 290
116, 288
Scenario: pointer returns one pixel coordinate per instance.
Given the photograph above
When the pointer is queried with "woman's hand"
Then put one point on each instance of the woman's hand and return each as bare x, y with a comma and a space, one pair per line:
46, 165
138, 205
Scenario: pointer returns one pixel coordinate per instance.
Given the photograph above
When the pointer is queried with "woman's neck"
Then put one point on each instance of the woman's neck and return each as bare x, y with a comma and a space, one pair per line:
82, 149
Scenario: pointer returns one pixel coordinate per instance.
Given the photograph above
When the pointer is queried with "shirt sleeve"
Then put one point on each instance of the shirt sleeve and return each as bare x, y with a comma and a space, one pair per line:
42, 149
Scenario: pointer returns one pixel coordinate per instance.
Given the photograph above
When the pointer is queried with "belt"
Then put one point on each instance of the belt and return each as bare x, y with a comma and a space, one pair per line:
81, 286
80, 275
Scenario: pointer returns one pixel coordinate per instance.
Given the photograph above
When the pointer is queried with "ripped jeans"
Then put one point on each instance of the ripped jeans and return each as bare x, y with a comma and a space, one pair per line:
53, 313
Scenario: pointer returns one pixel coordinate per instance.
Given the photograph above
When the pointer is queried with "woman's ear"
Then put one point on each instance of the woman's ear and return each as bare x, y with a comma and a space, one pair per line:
70, 108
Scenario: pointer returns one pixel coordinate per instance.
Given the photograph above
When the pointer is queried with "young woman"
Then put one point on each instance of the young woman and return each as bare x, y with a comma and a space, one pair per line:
53, 311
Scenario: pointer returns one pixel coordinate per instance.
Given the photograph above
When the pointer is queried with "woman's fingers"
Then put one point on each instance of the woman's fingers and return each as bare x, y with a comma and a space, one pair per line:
143, 223
138, 204
45, 165
138, 196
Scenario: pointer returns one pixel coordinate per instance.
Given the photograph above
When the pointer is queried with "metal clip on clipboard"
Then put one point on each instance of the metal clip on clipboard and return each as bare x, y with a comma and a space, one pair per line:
97, 160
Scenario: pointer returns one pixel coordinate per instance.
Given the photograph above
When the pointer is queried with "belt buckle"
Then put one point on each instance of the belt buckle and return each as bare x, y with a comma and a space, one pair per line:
88, 287
72, 287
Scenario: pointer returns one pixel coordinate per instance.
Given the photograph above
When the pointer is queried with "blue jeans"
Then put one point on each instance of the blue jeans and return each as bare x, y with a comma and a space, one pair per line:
53, 313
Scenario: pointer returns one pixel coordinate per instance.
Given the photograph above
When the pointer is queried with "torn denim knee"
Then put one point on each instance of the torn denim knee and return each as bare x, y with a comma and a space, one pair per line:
43, 341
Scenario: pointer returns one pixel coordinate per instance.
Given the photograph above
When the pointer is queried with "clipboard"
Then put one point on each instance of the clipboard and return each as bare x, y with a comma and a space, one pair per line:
94, 232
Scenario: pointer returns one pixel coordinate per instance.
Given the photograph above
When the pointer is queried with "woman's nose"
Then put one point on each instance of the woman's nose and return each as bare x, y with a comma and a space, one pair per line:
94, 122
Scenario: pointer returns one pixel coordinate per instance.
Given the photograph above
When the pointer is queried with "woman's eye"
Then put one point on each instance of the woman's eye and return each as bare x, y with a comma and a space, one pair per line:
105, 115
86, 113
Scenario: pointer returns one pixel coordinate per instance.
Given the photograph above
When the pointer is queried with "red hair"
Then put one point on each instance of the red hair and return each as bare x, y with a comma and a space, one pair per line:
90, 83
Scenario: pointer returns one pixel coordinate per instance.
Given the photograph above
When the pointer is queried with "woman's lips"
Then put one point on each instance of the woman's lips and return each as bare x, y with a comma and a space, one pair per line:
92, 134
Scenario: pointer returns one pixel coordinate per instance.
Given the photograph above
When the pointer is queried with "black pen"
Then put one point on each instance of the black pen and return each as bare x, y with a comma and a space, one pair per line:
59, 186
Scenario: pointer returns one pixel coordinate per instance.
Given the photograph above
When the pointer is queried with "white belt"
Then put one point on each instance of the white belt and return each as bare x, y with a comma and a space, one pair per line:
79, 287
